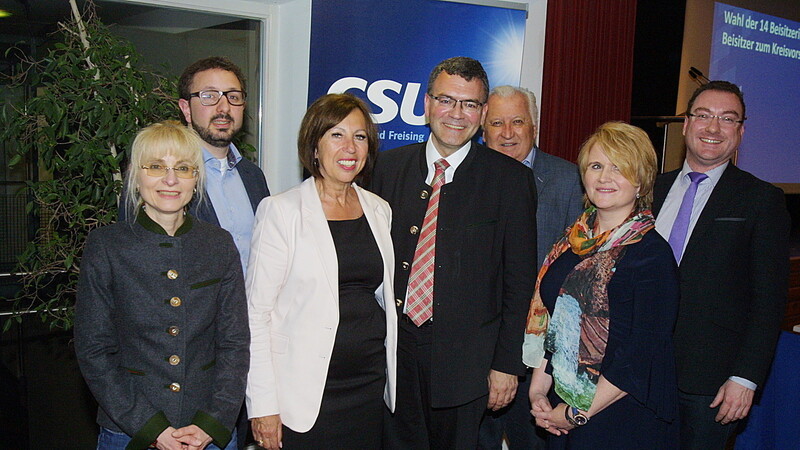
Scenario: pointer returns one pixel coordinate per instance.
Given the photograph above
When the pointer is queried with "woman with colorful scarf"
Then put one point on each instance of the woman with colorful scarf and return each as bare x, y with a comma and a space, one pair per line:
600, 323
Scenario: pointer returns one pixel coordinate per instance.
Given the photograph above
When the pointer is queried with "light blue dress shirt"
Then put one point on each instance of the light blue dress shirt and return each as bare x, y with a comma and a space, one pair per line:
227, 194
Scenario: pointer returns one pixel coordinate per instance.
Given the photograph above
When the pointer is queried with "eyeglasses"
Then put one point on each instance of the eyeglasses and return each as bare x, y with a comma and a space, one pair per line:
446, 102
210, 97
157, 170
724, 121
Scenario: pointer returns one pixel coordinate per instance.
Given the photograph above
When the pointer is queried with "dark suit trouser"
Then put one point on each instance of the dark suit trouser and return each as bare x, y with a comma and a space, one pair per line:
415, 424
515, 422
699, 430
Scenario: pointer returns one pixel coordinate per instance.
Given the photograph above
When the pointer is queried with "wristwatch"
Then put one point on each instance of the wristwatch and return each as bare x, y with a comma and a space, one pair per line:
577, 419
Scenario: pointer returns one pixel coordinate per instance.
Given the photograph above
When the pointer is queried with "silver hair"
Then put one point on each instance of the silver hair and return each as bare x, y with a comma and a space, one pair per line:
507, 91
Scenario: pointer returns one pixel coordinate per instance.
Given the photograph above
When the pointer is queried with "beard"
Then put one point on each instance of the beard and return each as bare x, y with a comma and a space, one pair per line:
217, 139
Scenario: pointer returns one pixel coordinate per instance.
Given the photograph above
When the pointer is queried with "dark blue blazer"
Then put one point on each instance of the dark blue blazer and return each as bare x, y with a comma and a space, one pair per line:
254, 183
734, 282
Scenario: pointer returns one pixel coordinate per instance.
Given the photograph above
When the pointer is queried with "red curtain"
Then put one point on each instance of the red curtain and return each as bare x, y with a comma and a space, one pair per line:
588, 70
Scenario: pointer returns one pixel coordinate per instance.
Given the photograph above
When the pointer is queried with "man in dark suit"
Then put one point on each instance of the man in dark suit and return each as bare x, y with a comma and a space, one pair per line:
212, 100
729, 233
466, 354
510, 128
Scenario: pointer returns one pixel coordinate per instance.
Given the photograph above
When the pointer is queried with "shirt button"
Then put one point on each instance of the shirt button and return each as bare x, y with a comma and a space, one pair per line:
175, 387
175, 301
414, 229
174, 360
405, 265
424, 195
172, 274
173, 330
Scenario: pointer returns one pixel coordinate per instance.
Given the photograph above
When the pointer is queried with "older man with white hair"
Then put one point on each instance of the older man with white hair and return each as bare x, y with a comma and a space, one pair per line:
510, 128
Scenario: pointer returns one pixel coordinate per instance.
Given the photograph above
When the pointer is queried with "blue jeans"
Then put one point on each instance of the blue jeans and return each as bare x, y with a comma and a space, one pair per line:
115, 440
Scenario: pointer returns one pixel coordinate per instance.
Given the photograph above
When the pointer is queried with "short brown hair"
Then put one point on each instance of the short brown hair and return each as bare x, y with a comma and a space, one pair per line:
466, 68
629, 148
212, 62
325, 113
721, 86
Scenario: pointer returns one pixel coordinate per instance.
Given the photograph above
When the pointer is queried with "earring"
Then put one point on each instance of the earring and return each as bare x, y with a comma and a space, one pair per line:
316, 162
194, 191
638, 196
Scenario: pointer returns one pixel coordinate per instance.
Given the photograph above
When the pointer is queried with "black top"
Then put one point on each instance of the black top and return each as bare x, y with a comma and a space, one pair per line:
359, 356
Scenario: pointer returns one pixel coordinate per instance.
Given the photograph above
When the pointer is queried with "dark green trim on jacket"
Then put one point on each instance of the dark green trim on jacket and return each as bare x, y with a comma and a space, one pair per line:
217, 431
149, 432
150, 225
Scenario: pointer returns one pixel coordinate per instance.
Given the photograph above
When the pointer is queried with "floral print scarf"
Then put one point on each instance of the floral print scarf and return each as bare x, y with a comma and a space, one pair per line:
577, 333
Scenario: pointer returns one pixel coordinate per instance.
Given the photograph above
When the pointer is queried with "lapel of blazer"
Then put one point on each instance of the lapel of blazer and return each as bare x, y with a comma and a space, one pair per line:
379, 224
314, 220
723, 196
541, 173
248, 180
661, 189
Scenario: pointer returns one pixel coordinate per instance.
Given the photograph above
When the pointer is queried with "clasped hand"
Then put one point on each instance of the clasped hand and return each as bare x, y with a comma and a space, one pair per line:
551, 419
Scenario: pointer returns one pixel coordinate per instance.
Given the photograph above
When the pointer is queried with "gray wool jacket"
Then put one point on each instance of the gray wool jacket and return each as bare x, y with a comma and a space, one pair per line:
161, 330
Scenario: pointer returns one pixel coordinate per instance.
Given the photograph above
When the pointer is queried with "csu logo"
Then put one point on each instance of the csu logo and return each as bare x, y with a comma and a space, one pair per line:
376, 93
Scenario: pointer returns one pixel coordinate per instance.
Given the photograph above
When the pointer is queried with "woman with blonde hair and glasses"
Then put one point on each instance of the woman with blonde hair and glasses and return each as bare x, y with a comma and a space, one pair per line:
161, 329
599, 330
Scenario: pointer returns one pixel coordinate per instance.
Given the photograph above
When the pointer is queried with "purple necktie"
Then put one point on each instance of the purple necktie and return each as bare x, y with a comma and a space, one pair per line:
677, 237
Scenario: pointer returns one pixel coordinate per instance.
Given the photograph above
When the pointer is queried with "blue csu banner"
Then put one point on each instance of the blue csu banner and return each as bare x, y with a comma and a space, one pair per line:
384, 50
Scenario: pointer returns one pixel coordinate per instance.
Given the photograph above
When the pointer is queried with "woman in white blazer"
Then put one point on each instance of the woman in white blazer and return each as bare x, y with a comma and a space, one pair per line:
319, 289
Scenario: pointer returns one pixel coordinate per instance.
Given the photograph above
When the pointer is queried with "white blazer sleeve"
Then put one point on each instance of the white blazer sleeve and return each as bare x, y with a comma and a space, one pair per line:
270, 258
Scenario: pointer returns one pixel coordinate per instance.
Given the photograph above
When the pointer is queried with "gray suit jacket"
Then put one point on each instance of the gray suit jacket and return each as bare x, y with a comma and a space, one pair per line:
161, 329
560, 202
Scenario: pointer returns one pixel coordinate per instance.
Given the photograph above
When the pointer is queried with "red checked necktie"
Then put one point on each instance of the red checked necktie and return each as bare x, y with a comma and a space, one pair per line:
420, 283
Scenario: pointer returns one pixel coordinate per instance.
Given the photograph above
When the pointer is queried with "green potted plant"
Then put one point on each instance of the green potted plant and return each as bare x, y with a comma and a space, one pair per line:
93, 95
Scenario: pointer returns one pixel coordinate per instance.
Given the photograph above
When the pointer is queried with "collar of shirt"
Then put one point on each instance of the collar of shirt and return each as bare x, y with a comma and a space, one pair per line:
233, 156
713, 176
672, 203
528, 161
455, 159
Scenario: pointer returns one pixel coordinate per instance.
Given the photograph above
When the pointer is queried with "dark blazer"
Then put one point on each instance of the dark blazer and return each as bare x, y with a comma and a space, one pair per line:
560, 199
254, 183
485, 262
734, 281
161, 330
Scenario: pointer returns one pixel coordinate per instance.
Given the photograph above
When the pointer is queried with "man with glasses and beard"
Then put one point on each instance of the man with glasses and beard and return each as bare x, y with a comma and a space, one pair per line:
212, 100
